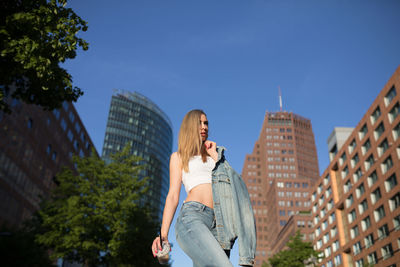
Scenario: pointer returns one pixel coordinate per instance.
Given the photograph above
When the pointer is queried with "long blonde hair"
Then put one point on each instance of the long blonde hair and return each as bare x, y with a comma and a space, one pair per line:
189, 140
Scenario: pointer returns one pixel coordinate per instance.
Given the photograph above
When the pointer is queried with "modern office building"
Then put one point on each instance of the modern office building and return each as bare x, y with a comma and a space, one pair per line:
279, 175
302, 222
134, 119
356, 202
34, 146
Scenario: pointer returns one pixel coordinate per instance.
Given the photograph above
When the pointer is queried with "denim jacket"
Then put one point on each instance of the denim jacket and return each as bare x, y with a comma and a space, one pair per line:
233, 212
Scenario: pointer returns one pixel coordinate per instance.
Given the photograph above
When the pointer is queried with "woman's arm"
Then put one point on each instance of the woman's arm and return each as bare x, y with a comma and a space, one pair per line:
171, 202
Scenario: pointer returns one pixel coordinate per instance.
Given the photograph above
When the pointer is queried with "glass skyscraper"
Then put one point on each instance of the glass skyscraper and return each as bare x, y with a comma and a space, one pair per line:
135, 119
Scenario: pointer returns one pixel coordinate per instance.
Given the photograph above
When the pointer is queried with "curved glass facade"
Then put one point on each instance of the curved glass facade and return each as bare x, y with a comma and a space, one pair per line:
135, 119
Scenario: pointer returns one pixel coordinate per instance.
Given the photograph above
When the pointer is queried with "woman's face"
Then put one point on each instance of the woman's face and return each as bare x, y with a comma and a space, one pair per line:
203, 127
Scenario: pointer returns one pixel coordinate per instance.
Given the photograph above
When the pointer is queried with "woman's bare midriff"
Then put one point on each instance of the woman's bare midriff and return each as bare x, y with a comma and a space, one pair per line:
201, 193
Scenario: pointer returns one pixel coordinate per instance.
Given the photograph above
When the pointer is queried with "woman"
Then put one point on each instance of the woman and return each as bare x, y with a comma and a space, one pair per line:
206, 175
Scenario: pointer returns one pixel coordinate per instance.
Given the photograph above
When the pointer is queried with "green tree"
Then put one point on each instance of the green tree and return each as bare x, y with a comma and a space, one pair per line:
297, 252
35, 37
96, 216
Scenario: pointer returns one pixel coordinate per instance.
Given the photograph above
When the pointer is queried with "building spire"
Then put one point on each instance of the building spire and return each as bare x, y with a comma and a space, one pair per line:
280, 98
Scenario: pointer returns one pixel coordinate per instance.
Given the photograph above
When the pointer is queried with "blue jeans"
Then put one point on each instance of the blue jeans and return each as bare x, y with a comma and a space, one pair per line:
195, 230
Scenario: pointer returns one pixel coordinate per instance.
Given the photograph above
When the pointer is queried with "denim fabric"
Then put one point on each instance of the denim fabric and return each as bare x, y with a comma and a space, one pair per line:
195, 230
233, 211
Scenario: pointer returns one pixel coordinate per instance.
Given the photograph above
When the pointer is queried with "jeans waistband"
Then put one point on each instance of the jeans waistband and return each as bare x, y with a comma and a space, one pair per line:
198, 205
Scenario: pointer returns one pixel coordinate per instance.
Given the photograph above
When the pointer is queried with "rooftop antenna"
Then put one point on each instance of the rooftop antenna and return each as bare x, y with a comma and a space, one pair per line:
280, 98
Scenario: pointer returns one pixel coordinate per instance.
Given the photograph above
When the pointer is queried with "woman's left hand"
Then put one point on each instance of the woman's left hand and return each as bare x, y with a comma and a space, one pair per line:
211, 148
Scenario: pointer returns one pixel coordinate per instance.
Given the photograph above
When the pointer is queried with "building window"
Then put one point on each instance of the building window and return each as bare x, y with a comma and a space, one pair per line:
376, 195
372, 179
319, 189
394, 112
394, 202
63, 124
76, 145
396, 132
282, 213
65, 105
355, 160
352, 216
321, 200
282, 222
328, 252
56, 113
387, 164
327, 179
347, 186
387, 251
369, 162
366, 146
383, 231
390, 95
375, 115
390, 182
78, 128
379, 213
333, 232
369, 240
396, 223
357, 175
319, 244
54, 156
352, 146
363, 131
70, 135
48, 150
338, 260
383, 147
71, 116
363, 206
365, 223
345, 172
324, 225
357, 248
30, 123
372, 258
379, 131
360, 190
354, 232
342, 158
322, 212
328, 192
330, 204
335, 246
349, 201
326, 238
360, 263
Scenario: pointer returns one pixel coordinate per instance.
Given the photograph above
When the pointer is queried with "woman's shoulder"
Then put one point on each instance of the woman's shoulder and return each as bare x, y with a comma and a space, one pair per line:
175, 157
175, 160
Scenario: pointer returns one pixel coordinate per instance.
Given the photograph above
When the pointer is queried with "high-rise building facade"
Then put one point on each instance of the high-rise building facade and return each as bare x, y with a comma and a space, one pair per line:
34, 146
134, 119
356, 202
279, 174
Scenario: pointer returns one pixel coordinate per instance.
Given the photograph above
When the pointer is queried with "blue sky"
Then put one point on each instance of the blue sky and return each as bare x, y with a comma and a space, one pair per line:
330, 58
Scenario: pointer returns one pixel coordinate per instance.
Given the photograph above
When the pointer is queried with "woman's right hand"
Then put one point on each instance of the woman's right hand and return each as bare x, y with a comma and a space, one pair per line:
157, 245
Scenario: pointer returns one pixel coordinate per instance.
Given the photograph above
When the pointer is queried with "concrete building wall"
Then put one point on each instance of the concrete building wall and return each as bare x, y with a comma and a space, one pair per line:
34, 146
279, 174
356, 203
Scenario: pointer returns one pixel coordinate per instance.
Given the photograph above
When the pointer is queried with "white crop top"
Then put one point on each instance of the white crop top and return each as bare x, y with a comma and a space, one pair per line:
199, 172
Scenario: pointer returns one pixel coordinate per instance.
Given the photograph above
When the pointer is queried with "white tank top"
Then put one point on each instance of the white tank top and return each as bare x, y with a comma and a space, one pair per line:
199, 172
